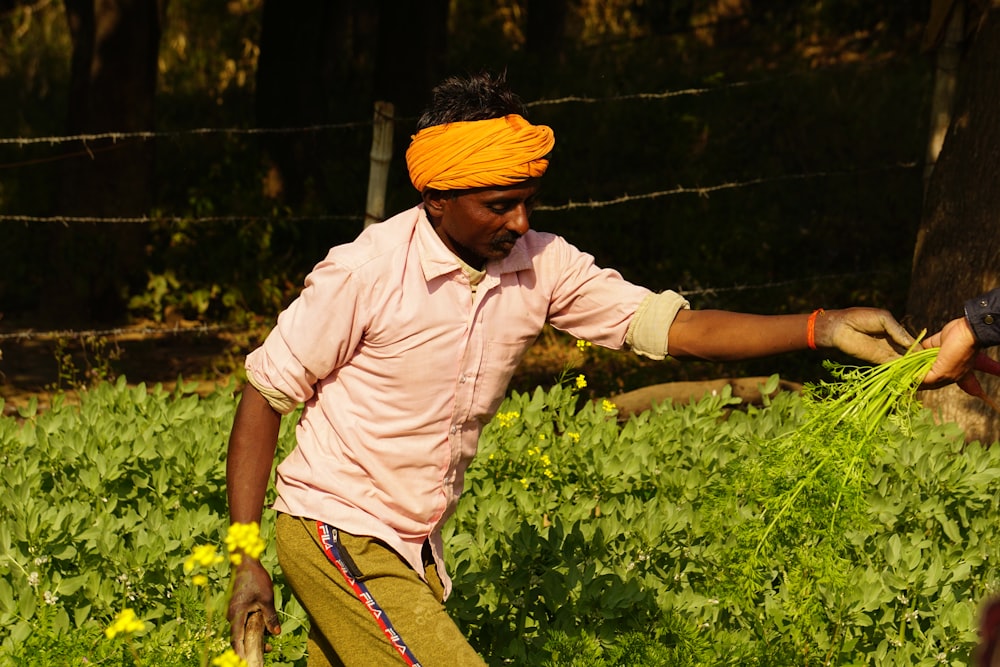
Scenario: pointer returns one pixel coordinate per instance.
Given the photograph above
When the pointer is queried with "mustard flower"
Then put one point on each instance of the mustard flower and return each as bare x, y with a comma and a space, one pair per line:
125, 623
583, 344
524, 482
608, 405
199, 580
204, 556
505, 419
229, 659
581, 381
573, 435
244, 538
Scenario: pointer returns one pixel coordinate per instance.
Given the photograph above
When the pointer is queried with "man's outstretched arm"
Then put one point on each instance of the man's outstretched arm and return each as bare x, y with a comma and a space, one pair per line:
868, 334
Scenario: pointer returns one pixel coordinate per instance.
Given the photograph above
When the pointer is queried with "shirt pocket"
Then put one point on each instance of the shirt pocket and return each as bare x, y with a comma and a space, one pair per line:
500, 360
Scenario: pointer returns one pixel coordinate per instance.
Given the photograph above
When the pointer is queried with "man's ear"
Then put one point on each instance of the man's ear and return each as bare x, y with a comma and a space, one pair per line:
434, 202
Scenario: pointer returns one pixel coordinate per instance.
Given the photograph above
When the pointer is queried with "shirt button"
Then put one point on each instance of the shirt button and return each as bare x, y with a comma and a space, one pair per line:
988, 319
462, 379
454, 430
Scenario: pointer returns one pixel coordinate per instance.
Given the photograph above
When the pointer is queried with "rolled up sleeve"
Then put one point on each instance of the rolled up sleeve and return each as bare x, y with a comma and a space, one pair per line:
316, 334
648, 331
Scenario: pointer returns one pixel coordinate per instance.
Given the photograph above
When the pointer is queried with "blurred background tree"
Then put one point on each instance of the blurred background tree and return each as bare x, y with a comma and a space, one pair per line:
957, 252
798, 129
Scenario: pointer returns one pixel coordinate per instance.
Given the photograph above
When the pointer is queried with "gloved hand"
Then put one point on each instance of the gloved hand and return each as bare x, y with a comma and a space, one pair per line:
868, 334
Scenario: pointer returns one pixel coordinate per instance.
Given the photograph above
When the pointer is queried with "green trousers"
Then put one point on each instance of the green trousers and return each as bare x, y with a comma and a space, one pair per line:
346, 627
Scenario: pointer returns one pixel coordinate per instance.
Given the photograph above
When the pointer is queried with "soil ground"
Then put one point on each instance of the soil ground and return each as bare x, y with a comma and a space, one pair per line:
38, 365
35, 365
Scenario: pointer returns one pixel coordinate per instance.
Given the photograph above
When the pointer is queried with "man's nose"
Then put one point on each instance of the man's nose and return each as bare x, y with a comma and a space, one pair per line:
517, 221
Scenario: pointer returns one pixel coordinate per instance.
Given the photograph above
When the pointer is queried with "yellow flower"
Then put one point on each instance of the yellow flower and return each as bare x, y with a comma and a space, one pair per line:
204, 556
125, 623
244, 539
524, 482
505, 419
229, 659
573, 435
608, 406
583, 344
581, 381
546, 461
199, 580
548, 473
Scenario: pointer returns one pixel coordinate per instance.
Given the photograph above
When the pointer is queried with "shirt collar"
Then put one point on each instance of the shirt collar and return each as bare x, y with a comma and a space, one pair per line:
437, 260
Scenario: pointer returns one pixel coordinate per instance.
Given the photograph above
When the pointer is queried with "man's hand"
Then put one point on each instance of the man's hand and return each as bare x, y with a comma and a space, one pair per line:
252, 592
868, 334
957, 354
957, 358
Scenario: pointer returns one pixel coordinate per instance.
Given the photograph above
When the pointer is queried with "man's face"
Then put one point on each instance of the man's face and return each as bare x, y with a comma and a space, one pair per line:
484, 223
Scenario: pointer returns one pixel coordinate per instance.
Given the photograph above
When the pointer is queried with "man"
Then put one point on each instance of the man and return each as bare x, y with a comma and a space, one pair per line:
401, 346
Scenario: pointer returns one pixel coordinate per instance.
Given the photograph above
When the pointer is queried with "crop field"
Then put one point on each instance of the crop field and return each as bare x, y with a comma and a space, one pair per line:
711, 533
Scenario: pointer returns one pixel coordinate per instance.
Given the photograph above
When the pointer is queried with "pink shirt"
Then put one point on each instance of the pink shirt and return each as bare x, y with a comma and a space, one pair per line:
400, 366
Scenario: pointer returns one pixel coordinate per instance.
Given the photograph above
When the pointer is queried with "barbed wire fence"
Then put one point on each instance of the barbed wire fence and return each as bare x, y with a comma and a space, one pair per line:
202, 329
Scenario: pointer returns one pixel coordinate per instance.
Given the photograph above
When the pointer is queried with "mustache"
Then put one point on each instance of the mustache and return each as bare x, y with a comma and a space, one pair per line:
507, 237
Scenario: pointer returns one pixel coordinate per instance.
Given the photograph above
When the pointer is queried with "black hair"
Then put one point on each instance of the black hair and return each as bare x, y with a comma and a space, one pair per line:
481, 96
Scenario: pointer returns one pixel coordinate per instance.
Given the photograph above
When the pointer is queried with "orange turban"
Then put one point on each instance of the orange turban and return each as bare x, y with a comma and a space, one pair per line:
479, 153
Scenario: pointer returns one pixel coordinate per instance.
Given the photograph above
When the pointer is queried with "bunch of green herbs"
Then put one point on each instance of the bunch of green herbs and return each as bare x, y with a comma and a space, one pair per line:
804, 490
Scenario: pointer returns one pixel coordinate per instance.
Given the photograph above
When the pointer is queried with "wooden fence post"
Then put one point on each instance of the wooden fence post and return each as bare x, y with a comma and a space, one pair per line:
381, 156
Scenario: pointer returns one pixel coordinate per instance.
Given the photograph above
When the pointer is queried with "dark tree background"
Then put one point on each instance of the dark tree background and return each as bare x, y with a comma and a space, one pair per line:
112, 88
957, 254
806, 124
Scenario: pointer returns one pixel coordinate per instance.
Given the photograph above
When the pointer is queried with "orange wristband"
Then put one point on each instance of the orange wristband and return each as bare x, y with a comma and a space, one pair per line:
811, 328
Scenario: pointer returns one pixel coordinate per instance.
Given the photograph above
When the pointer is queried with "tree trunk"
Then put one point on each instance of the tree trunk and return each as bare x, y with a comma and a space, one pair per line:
958, 244
949, 52
293, 86
112, 89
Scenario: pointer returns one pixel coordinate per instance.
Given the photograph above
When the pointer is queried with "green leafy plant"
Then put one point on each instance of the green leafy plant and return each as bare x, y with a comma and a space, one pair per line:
657, 526
816, 474
579, 540
105, 500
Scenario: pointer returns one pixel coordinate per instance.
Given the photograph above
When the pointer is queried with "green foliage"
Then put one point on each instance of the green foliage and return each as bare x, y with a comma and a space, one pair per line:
817, 474
104, 501
579, 540
654, 528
